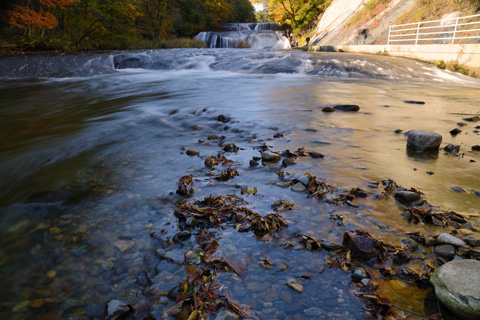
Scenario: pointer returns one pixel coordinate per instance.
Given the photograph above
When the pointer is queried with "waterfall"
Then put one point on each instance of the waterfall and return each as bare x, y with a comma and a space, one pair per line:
254, 35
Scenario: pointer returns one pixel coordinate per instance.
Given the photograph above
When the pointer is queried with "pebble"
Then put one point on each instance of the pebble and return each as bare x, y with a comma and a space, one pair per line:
476, 148
328, 109
253, 163
455, 131
457, 189
304, 179
299, 187
295, 286
446, 238
359, 274
313, 312
452, 148
445, 250
287, 162
192, 152
316, 155
347, 107
407, 196
182, 236
268, 156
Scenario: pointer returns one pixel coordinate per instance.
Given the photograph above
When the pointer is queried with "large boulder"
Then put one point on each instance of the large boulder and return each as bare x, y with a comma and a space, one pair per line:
423, 140
456, 285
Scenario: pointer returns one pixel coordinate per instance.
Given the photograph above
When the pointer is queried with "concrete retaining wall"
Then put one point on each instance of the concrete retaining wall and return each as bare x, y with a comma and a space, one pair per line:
465, 55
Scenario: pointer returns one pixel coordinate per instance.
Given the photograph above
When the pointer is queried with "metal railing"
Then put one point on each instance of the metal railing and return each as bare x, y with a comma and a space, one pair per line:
446, 31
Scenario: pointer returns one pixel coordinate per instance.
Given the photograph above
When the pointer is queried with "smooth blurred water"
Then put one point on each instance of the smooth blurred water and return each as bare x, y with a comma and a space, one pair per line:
104, 135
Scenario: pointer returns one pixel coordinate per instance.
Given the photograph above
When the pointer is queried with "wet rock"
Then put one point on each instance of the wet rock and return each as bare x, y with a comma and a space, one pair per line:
143, 279
455, 131
124, 245
278, 135
223, 118
116, 310
253, 163
423, 140
268, 156
182, 236
299, 187
175, 255
347, 107
230, 147
190, 221
476, 148
287, 163
313, 312
359, 274
456, 285
295, 286
398, 131
472, 119
430, 173
258, 286
452, 148
316, 155
414, 102
471, 241
461, 124
328, 109
409, 243
192, 152
304, 180
457, 189
226, 315
446, 238
476, 192
446, 251
407, 196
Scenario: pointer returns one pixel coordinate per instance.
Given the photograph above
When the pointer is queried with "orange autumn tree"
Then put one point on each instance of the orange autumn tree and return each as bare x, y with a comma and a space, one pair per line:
37, 15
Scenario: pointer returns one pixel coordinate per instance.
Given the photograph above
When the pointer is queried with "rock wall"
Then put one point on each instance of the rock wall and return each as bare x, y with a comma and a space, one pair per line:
333, 30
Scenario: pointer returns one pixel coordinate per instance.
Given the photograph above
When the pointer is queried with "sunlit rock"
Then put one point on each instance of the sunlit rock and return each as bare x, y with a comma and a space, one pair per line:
456, 285
423, 140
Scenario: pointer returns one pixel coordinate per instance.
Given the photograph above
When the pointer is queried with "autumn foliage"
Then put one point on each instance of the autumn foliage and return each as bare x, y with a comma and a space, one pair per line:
113, 24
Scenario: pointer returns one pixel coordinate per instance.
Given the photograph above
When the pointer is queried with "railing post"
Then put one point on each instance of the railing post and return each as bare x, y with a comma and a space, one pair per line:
455, 30
389, 30
418, 30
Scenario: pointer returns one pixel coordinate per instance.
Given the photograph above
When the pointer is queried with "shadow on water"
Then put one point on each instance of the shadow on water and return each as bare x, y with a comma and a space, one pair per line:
94, 147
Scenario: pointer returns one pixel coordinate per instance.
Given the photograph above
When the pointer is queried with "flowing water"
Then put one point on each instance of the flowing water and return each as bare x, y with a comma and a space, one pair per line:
92, 146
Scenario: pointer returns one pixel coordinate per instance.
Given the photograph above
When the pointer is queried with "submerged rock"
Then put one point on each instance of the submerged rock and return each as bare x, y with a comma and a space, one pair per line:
456, 285
423, 140
226, 315
116, 309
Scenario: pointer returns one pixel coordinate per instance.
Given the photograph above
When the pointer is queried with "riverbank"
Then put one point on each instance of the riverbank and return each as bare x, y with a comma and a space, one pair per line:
464, 58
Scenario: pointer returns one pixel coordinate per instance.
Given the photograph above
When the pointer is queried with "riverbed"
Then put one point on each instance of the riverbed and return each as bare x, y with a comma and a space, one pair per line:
93, 147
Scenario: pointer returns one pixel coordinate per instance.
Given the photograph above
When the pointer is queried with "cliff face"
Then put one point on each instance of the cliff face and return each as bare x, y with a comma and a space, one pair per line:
335, 27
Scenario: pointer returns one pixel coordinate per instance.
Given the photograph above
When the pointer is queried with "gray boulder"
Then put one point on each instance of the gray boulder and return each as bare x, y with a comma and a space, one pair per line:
423, 140
456, 285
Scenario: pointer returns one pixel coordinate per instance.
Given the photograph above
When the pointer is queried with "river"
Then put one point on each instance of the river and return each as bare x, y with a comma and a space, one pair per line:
92, 146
